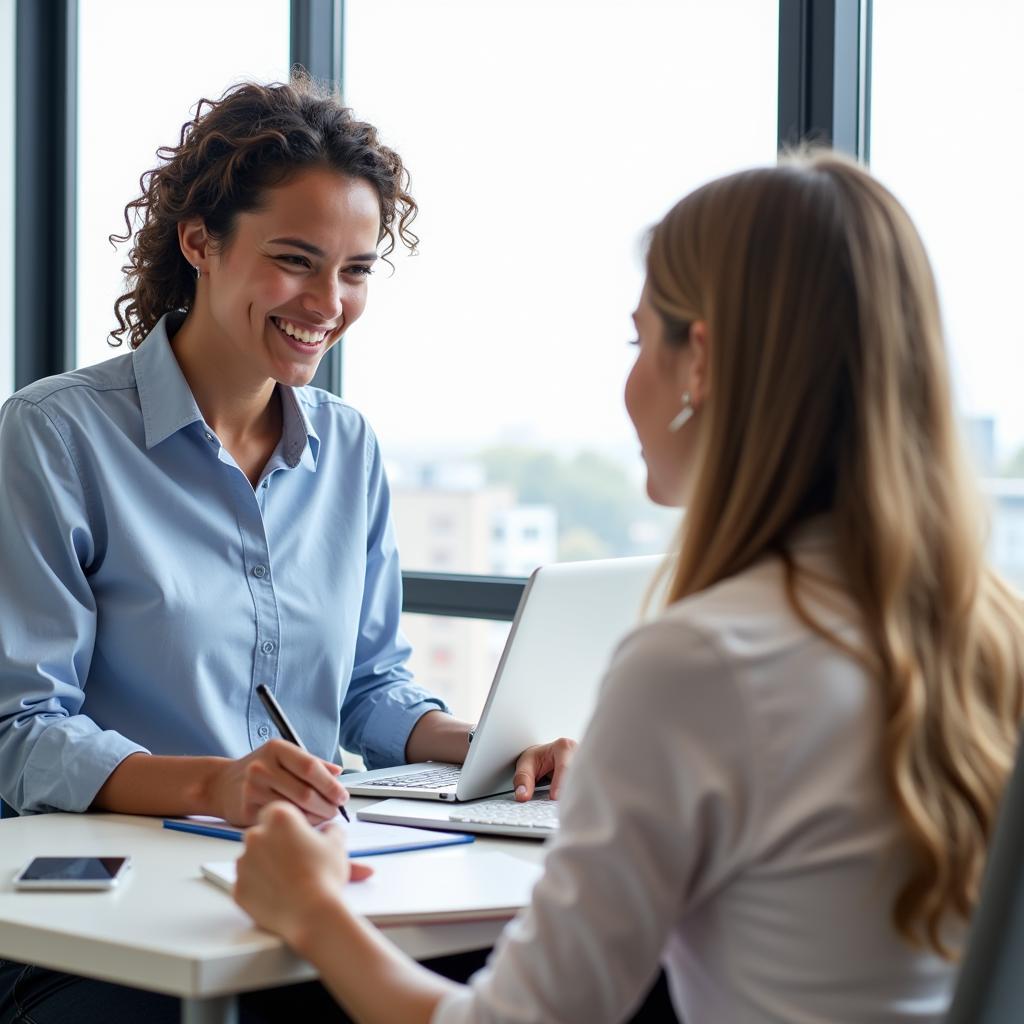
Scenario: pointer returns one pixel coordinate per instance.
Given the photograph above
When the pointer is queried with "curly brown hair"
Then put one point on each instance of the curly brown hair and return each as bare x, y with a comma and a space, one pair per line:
253, 138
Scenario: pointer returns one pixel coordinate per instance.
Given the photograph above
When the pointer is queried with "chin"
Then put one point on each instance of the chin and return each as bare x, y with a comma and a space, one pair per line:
667, 498
295, 375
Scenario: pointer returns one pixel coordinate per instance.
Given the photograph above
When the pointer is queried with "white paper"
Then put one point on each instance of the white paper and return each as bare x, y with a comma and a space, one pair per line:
456, 883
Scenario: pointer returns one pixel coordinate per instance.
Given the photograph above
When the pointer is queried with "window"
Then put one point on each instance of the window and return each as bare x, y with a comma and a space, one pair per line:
455, 658
7, 35
492, 364
134, 99
953, 160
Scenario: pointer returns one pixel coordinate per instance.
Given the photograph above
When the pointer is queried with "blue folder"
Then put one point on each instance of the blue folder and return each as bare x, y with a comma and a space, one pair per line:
428, 840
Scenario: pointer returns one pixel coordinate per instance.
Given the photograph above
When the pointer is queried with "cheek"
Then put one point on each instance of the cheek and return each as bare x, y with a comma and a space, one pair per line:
353, 304
629, 394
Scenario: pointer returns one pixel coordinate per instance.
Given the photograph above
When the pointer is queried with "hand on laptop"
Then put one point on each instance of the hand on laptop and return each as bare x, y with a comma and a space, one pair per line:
537, 762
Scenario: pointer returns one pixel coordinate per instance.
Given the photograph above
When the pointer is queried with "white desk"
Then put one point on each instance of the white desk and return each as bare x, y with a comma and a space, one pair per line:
167, 930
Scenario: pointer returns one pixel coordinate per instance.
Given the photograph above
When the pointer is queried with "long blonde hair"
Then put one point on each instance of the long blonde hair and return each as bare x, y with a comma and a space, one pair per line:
829, 393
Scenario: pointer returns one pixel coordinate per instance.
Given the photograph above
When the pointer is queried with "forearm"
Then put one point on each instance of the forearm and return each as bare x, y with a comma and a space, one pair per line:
373, 980
165, 786
438, 737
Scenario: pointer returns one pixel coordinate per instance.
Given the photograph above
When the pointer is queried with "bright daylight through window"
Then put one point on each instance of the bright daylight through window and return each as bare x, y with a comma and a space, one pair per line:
954, 160
129, 106
492, 364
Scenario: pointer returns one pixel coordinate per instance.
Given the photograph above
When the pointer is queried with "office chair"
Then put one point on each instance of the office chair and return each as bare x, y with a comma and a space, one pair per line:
990, 989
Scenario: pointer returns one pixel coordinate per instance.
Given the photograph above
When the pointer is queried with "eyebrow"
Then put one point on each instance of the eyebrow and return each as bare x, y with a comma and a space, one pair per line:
298, 243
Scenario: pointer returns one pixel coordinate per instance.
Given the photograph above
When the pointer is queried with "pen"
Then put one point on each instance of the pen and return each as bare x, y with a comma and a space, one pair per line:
284, 727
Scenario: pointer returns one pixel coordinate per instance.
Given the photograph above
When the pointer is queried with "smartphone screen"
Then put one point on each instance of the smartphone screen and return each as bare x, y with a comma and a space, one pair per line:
64, 869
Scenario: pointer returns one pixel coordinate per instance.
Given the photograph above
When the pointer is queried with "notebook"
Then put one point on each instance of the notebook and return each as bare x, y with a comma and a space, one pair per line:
447, 887
569, 620
363, 838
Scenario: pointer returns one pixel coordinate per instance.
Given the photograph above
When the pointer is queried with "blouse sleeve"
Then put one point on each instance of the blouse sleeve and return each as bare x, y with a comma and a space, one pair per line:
52, 757
655, 815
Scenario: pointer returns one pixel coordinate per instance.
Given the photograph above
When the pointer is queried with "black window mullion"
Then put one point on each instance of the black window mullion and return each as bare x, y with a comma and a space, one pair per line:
45, 151
824, 73
316, 44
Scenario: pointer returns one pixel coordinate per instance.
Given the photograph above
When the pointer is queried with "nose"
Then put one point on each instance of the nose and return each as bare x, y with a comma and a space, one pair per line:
324, 297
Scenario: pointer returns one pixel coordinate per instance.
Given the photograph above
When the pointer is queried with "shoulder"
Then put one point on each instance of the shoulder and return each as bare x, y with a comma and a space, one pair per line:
332, 416
743, 639
113, 374
715, 625
76, 396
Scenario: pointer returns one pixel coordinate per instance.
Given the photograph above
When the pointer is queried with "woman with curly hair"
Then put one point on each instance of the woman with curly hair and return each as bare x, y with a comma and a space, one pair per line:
186, 521
787, 790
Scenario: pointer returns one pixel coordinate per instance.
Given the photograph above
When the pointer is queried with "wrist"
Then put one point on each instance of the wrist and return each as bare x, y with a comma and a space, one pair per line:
204, 791
317, 926
437, 736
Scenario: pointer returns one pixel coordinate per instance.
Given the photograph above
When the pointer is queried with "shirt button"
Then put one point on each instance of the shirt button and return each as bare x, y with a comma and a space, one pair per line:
266, 483
268, 647
210, 438
263, 732
259, 571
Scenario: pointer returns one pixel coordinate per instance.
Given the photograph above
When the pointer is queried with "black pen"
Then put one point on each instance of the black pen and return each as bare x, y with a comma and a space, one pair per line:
284, 727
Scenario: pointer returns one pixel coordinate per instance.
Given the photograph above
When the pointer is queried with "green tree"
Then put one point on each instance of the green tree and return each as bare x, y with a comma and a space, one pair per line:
1014, 466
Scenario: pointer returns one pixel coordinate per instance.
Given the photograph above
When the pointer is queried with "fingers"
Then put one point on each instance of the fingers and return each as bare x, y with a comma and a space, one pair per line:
264, 783
281, 827
561, 754
274, 821
305, 780
536, 762
528, 768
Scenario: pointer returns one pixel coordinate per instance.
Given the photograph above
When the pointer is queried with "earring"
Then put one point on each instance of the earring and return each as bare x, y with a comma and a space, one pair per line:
685, 414
199, 273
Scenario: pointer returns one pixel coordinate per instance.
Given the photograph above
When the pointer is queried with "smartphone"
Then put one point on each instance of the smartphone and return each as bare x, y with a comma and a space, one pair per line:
72, 873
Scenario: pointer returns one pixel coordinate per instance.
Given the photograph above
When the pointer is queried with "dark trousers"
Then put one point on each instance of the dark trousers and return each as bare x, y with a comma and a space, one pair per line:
36, 995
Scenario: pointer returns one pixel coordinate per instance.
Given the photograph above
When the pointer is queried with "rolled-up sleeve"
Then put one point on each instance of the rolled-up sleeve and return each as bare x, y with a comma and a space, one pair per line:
383, 704
52, 757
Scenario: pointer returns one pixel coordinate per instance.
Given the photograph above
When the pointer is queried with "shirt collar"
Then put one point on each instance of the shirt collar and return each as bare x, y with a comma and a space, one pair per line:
164, 395
300, 443
168, 405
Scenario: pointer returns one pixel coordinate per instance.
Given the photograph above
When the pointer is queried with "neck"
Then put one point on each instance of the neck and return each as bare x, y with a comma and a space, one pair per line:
237, 404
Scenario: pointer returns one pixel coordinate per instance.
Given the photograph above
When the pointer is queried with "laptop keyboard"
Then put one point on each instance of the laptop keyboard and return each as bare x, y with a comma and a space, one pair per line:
430, 778
539, 814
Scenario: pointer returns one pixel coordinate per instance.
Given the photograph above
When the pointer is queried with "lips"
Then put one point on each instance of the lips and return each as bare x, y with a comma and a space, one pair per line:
307, 335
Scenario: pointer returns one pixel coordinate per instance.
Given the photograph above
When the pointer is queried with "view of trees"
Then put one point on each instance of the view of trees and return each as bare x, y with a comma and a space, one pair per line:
601, 511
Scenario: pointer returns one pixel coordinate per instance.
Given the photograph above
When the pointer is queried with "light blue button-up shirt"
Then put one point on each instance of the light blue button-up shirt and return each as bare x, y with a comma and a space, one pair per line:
146, 587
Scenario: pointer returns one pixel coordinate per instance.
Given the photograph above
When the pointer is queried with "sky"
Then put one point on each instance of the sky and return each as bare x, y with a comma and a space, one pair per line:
543, 137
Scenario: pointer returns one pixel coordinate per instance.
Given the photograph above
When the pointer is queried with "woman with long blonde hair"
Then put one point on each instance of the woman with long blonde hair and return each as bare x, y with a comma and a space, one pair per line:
786, 793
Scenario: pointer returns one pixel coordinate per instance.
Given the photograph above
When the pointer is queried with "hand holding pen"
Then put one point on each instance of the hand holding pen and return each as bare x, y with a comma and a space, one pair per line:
284, 727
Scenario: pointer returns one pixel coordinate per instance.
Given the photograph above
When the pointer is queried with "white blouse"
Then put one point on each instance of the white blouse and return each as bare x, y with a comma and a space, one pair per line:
726, 816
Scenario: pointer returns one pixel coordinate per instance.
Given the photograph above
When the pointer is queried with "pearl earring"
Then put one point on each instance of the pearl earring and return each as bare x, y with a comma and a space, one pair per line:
199, 273
685, 414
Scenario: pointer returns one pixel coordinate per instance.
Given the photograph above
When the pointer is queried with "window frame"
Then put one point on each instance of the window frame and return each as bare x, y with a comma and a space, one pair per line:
823, 96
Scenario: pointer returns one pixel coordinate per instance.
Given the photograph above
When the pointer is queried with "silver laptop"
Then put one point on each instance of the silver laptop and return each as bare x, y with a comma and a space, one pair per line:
569, 620
499, 815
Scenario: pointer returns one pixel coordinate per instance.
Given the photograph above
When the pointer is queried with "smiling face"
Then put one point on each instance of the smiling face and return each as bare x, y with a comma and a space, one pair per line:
291, 278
